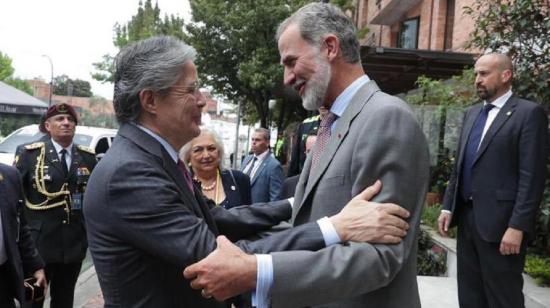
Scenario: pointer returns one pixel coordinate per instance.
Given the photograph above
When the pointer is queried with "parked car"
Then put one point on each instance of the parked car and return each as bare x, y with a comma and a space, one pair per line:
97, 138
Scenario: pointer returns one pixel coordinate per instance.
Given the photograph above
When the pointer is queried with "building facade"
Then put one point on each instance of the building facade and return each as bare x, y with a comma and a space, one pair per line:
437, 25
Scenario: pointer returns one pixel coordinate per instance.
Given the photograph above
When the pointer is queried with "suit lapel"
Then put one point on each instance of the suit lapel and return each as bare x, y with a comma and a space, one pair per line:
359, 100
260, 170
503, 115
466, 128
176, 174
150, 145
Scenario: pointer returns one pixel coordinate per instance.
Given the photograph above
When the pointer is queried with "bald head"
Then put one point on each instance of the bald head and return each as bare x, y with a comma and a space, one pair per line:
502, 60
493, 76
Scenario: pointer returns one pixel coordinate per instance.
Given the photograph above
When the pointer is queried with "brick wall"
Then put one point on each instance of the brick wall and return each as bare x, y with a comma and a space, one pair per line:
433, 19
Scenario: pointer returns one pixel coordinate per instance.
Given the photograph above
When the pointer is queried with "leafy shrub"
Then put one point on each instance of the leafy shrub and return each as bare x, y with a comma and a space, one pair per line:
538, 267
431, 259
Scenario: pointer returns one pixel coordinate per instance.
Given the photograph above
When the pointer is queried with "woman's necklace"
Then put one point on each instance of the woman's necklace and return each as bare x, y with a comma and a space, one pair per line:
210, 187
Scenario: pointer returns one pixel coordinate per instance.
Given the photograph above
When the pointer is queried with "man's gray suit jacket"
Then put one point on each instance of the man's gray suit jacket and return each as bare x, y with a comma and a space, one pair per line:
377, 137
145, 226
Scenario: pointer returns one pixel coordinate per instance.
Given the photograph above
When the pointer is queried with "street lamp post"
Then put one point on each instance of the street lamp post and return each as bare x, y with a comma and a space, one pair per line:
51, 78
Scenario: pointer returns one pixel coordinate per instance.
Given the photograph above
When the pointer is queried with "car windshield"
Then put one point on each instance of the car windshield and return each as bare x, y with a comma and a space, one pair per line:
9, 145
22, 136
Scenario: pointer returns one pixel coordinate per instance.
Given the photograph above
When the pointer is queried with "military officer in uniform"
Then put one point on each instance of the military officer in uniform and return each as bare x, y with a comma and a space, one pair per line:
54, 174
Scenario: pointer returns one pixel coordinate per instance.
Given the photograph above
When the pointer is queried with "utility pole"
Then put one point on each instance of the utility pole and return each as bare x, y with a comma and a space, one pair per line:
236, 155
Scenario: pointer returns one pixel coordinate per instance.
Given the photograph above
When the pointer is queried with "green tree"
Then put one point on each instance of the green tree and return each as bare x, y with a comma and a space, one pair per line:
522, 29
6, 75
238, 56
6, 69
146, 23
20, 84
63, 85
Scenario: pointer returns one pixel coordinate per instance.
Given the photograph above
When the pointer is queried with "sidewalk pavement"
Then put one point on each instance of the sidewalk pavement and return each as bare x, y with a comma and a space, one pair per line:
435, 292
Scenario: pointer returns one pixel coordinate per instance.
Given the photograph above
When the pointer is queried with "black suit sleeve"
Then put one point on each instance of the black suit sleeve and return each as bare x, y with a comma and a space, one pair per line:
27, 249
243, 184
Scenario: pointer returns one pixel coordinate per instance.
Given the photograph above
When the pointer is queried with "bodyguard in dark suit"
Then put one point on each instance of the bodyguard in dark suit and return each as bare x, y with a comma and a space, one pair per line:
18, 255
146, 221
54, 174
495, 188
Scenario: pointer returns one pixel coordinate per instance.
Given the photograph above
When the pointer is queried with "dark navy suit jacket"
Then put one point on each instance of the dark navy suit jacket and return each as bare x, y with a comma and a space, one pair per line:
508, 172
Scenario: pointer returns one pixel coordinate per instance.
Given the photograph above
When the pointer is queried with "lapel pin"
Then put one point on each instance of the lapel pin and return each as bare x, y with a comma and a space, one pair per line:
339, 136
509, 113
232, 187
1, 177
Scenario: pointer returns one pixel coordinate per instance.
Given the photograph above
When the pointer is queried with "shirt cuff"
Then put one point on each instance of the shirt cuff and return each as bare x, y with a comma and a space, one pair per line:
446, 211
260, 298
330, 235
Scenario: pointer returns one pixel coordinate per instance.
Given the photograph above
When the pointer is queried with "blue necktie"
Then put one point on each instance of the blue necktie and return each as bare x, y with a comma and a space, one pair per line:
472, 146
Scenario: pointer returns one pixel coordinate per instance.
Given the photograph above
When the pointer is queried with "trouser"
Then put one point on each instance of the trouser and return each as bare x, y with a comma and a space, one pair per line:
61, 282
486, 279
6, 287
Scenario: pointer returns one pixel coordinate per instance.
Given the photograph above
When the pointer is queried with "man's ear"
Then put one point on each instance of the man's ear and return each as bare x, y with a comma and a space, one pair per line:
506, 76
148, 101
332, 45
47, 125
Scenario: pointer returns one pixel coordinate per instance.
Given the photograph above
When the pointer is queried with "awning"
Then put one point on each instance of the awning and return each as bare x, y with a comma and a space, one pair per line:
396, 70
15, 101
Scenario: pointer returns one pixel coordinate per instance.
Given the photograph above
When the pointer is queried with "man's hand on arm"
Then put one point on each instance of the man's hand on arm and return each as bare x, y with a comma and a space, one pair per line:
511, 242
443, 222
364, 221
226, 272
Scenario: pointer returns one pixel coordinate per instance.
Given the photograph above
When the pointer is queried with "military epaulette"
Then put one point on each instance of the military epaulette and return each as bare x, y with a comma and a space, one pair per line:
86, 149
34, 146
311, 119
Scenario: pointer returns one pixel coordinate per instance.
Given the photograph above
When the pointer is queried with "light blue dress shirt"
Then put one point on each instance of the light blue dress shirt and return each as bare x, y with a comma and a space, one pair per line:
171, 151
260, 298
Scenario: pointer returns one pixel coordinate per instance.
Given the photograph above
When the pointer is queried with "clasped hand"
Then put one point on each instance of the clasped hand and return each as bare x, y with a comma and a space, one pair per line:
228, 271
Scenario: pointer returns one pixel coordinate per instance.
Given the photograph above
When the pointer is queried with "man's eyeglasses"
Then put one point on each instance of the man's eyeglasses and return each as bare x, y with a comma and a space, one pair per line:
192, 89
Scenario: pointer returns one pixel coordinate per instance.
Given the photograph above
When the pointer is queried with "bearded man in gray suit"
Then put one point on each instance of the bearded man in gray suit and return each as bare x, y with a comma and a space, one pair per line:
373, 136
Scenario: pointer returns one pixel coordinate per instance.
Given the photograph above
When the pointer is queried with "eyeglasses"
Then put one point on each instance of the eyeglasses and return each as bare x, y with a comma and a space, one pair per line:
192, 89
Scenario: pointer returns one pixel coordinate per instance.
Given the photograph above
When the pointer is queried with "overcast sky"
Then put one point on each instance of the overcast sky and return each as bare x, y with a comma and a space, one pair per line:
73, 33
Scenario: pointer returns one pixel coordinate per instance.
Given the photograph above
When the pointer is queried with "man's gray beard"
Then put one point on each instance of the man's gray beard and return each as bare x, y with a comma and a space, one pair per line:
316, 88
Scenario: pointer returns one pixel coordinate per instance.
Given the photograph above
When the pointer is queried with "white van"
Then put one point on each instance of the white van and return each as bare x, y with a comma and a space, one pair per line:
97, 138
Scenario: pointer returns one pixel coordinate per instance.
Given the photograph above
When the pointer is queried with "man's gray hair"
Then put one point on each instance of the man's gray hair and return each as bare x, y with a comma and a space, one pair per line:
154, 64
185, 152
316, 20
265, 132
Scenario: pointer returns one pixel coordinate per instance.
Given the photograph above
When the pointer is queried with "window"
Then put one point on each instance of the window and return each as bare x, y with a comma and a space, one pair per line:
408, 34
